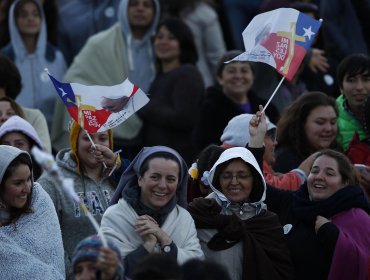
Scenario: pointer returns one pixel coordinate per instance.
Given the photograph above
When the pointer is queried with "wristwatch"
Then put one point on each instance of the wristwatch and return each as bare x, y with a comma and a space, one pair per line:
166, 248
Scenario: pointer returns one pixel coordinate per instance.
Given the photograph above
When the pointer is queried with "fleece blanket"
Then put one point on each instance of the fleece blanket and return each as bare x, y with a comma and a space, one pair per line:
32, 248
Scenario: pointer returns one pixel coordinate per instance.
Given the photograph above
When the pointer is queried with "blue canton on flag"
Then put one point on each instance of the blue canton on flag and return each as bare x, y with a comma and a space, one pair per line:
308, 28
65, 91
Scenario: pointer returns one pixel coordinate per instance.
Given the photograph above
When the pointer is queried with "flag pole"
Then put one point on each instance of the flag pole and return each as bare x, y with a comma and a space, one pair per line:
94, 146
273, 94
48, 164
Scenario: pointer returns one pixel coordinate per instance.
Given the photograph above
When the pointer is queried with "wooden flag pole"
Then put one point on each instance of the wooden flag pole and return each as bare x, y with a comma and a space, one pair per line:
94, 146
273, 94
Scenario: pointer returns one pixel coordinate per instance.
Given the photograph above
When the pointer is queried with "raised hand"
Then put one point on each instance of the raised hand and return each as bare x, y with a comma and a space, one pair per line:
257, 129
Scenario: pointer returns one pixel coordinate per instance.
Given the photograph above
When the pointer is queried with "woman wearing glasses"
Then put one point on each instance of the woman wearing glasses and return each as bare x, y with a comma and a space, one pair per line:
233, 224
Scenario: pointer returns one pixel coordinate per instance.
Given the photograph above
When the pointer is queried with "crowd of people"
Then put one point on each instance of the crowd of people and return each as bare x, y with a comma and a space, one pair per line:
203, 182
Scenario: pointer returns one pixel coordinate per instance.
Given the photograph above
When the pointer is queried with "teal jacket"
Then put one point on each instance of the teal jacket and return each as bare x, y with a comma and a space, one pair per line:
347, 125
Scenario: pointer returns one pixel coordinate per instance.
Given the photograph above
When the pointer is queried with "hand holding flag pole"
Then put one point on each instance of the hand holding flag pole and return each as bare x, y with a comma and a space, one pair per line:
87, 105
99, 108
49, 165
279, 38
94, 146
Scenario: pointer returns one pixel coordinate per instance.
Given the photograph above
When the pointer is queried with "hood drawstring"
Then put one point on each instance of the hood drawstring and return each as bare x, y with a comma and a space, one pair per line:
129, 52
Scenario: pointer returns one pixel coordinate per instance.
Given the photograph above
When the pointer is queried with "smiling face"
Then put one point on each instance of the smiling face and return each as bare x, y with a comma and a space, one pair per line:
85, 149
166, 46
17, 187
236, 181
356, 89
324, 179
236, 79
28, 19
321, 127
159, 183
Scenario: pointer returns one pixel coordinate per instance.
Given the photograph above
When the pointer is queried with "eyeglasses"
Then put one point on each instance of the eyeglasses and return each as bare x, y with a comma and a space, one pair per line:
226, 176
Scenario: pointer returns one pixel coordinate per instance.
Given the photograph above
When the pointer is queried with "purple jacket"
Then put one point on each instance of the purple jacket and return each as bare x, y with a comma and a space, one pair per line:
353, 244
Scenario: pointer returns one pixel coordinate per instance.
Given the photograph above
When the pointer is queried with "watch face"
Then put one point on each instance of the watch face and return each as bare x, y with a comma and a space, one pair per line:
167, 248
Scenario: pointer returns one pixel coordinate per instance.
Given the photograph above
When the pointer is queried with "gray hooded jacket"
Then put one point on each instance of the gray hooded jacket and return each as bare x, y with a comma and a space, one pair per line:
37, 90
139, 52
108, 58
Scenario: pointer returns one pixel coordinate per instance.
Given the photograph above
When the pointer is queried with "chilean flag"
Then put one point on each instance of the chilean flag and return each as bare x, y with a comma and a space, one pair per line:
279, 38
99, 108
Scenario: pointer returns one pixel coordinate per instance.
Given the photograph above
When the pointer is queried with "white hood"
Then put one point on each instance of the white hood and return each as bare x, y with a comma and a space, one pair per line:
245, 155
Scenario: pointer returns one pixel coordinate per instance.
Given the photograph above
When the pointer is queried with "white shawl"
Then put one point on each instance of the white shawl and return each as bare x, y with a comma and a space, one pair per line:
118, 224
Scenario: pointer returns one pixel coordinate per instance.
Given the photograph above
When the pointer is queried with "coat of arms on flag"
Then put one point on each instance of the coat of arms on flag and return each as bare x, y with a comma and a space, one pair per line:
279, 38
99, 108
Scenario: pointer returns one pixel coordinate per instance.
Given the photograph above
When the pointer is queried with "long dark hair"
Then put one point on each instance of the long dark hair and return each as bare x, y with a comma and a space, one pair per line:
182, 33
291, 124
10, 78
16, 213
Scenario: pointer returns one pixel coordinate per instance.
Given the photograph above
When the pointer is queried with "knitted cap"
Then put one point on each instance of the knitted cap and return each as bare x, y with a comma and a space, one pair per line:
73, 140
236, 133
88, 250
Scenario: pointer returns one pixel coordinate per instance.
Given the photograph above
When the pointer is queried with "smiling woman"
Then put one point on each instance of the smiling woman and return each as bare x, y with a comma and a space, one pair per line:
146, 215
16, 187
159, 182
82, 163
176, 91
234, 227
231, 97
29, 227
308, 125
327, 221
